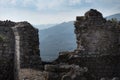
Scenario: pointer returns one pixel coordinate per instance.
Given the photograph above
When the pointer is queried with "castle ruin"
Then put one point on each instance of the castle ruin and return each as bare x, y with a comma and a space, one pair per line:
96, 57
19, 49
98, 45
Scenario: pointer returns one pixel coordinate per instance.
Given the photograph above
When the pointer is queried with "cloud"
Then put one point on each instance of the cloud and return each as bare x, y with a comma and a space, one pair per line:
74, 2
13, 1
44, 5
89, 1
28, 2
53, 11
37, 17
50, 4
7, 2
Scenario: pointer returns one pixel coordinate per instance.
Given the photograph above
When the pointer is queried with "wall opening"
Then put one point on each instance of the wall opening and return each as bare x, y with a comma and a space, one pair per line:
56, 39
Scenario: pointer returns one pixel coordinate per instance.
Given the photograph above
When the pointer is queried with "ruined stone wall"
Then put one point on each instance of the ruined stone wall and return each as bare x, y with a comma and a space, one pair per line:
29, 45
19, 50
98, 44
98, 50
98, 66
95, 35
6, 53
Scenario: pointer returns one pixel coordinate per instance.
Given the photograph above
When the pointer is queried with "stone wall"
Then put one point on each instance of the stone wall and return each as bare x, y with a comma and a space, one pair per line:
19, 50
7, 53
29, 45
99, 66
98, 44
95, 35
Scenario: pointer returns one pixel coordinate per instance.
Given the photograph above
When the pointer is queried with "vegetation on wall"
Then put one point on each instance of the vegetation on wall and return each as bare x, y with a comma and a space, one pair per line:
114, 20
1, 38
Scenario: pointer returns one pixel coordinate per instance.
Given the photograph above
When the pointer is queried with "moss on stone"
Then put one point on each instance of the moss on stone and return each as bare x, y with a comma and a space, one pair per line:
1, 39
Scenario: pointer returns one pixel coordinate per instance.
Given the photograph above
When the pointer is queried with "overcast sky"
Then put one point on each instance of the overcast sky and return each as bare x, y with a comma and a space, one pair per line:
53, 11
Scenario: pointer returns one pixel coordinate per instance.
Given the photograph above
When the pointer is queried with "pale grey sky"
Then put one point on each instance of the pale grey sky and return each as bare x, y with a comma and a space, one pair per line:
53, 11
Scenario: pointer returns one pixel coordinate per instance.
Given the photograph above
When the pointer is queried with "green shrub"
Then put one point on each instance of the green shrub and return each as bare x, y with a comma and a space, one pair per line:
114, 20
1, 39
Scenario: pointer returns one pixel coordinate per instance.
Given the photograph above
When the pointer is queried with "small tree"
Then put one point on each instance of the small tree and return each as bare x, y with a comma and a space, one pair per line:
114, 20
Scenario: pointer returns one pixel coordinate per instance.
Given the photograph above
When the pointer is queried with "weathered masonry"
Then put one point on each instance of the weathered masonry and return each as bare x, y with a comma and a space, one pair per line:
98, 44
19, 49
7, 50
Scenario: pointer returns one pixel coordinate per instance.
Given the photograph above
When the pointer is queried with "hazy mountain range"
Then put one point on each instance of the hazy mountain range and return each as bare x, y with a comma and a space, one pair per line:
59, 38
117, 16
56, 39
44, 26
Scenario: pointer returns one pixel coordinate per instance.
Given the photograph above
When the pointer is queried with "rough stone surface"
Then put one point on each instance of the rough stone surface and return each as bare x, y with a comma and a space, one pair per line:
32, 74
66, 72
98, 46
95, 35
7, 53
19, 49
29, 45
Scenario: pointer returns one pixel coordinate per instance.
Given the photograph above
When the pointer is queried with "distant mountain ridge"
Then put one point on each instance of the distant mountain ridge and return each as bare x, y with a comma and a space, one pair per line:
56, 39
59, 38
44, 26
117, 16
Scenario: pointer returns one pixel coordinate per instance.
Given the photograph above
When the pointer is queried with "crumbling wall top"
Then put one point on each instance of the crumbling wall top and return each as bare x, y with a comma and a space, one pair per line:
93, 13
7, 23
